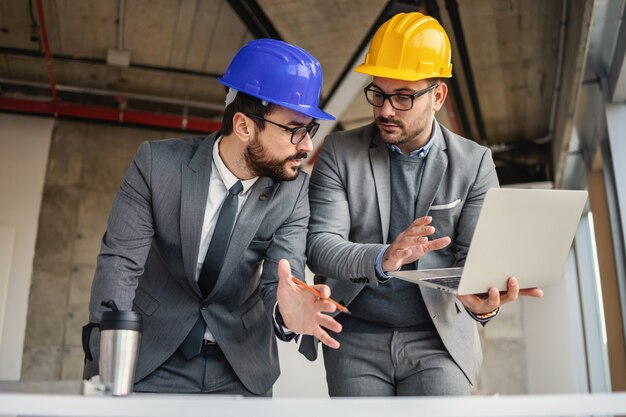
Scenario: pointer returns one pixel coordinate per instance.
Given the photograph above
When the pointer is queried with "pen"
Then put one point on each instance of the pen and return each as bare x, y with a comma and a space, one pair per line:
317, 294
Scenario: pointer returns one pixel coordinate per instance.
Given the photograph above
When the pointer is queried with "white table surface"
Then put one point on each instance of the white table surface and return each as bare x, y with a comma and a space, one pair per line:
52, 399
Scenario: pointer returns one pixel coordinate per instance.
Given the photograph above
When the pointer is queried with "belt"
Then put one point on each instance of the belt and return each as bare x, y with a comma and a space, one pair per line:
209, 347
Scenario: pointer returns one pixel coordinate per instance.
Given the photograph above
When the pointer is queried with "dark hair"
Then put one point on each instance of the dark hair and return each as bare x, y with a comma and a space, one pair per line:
246, 104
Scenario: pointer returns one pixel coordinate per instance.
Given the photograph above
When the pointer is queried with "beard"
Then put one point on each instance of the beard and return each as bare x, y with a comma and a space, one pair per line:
395, 138
404, 134
263, 165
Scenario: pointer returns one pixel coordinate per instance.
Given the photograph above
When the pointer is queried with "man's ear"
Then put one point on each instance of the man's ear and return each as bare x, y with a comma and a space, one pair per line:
440, 94
243, 127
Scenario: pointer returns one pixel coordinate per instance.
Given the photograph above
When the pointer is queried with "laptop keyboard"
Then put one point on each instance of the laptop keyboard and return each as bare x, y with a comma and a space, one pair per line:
450, 282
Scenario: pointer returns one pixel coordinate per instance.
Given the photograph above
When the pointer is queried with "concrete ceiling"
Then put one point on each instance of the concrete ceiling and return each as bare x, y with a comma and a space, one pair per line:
508, 60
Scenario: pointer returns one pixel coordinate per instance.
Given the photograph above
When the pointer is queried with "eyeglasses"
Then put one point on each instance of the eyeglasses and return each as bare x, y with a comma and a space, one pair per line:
297, 133
401, 102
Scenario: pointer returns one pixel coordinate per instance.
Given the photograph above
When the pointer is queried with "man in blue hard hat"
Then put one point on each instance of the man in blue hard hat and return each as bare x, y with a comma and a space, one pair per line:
203, 229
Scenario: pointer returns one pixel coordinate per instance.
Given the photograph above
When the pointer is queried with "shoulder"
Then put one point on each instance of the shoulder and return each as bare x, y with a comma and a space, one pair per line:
295, 186
349, 144
166, 152
358, 137
174, 146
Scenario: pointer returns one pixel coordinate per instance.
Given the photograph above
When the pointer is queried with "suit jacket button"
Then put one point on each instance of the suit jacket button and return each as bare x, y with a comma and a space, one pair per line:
263, 197
204, 306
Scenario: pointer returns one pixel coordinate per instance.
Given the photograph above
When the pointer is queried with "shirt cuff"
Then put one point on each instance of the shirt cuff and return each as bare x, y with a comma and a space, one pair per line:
380, 274
484, 318
279, 326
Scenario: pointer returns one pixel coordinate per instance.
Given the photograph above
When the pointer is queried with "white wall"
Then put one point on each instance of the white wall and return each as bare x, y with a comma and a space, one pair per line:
24, 145
555, 351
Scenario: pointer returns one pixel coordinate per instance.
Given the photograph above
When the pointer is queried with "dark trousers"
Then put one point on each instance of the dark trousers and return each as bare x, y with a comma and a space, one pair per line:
207, 373
392, 364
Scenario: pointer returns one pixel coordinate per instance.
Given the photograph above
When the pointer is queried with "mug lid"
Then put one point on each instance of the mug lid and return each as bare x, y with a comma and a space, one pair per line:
121, 320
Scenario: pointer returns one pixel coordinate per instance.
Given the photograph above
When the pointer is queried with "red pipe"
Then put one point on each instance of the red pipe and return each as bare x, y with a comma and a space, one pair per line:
57, 108
46, 50
89, 112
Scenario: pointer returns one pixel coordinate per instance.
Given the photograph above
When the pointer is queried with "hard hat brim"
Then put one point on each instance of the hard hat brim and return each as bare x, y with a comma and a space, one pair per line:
310, 111
397, 74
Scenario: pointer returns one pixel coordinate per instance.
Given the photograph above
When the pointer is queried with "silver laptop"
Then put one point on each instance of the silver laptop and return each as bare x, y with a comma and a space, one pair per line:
522, 233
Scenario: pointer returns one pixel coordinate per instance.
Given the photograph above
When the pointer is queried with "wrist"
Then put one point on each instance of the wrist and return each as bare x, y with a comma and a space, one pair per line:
488, 315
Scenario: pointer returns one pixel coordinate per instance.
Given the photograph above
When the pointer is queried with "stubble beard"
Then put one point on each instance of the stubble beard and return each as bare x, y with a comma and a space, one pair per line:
261, 164
403, 135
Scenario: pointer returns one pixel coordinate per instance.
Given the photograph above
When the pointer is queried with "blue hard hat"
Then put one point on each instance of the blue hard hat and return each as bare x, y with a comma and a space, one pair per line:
280, 73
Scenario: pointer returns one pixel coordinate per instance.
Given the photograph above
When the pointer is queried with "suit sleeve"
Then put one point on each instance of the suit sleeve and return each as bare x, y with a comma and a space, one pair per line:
126, 242
486, 178
330, 252
288, 243
124, 248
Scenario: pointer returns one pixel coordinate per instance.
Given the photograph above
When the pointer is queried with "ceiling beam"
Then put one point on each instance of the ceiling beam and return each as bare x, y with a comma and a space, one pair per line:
255, 19
463, 73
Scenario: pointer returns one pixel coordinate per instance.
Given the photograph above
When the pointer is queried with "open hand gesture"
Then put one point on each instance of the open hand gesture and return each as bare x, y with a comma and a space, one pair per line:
412, 244
302, 311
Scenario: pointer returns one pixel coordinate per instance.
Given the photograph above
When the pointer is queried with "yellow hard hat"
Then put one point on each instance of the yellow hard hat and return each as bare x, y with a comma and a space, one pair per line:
410, 47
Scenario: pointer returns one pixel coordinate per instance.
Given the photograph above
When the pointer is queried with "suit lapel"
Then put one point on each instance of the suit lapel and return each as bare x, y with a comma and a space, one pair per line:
435, 167
379, 159
248, 221
194, 193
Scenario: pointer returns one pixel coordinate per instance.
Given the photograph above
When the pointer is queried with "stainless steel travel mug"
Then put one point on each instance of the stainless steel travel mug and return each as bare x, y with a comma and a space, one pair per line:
120, 337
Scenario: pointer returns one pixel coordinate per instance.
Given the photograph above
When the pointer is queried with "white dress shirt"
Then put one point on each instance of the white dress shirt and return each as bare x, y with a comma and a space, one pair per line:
219, 183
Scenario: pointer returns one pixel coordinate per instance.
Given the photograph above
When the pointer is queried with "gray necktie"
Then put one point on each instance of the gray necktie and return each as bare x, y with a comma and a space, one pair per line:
213, 264
219, 242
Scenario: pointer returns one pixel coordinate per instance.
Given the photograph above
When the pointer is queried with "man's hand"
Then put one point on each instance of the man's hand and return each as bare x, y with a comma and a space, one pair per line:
412, 244
303, 311
479, 304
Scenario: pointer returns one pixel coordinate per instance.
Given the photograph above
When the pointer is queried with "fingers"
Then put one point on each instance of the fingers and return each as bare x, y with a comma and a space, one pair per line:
513, 285
325, 338
324, 290
422, 221
512, 291
479, 303
284, 272
417, 231
437, 244
531, 292
328, 322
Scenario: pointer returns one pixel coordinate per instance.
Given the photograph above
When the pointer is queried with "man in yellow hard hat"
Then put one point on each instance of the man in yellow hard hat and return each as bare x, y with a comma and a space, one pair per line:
381, 197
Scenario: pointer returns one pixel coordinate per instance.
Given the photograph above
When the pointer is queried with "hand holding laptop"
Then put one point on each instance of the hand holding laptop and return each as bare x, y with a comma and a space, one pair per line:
485, 303
412, 244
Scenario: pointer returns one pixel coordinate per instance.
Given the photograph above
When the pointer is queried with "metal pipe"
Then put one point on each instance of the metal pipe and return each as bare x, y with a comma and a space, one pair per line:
100, 61
120, 26
557, 81
114, 93
46, 50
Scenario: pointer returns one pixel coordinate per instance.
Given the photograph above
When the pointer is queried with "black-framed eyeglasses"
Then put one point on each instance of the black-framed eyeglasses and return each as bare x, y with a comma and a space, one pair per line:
297, 133
399, 101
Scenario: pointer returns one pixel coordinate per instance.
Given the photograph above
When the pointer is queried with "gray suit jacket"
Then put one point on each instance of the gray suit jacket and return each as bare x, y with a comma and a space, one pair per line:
149, 253
350, 195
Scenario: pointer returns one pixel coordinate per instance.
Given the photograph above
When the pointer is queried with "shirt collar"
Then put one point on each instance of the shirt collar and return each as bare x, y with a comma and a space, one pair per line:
228, 178
421, 152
